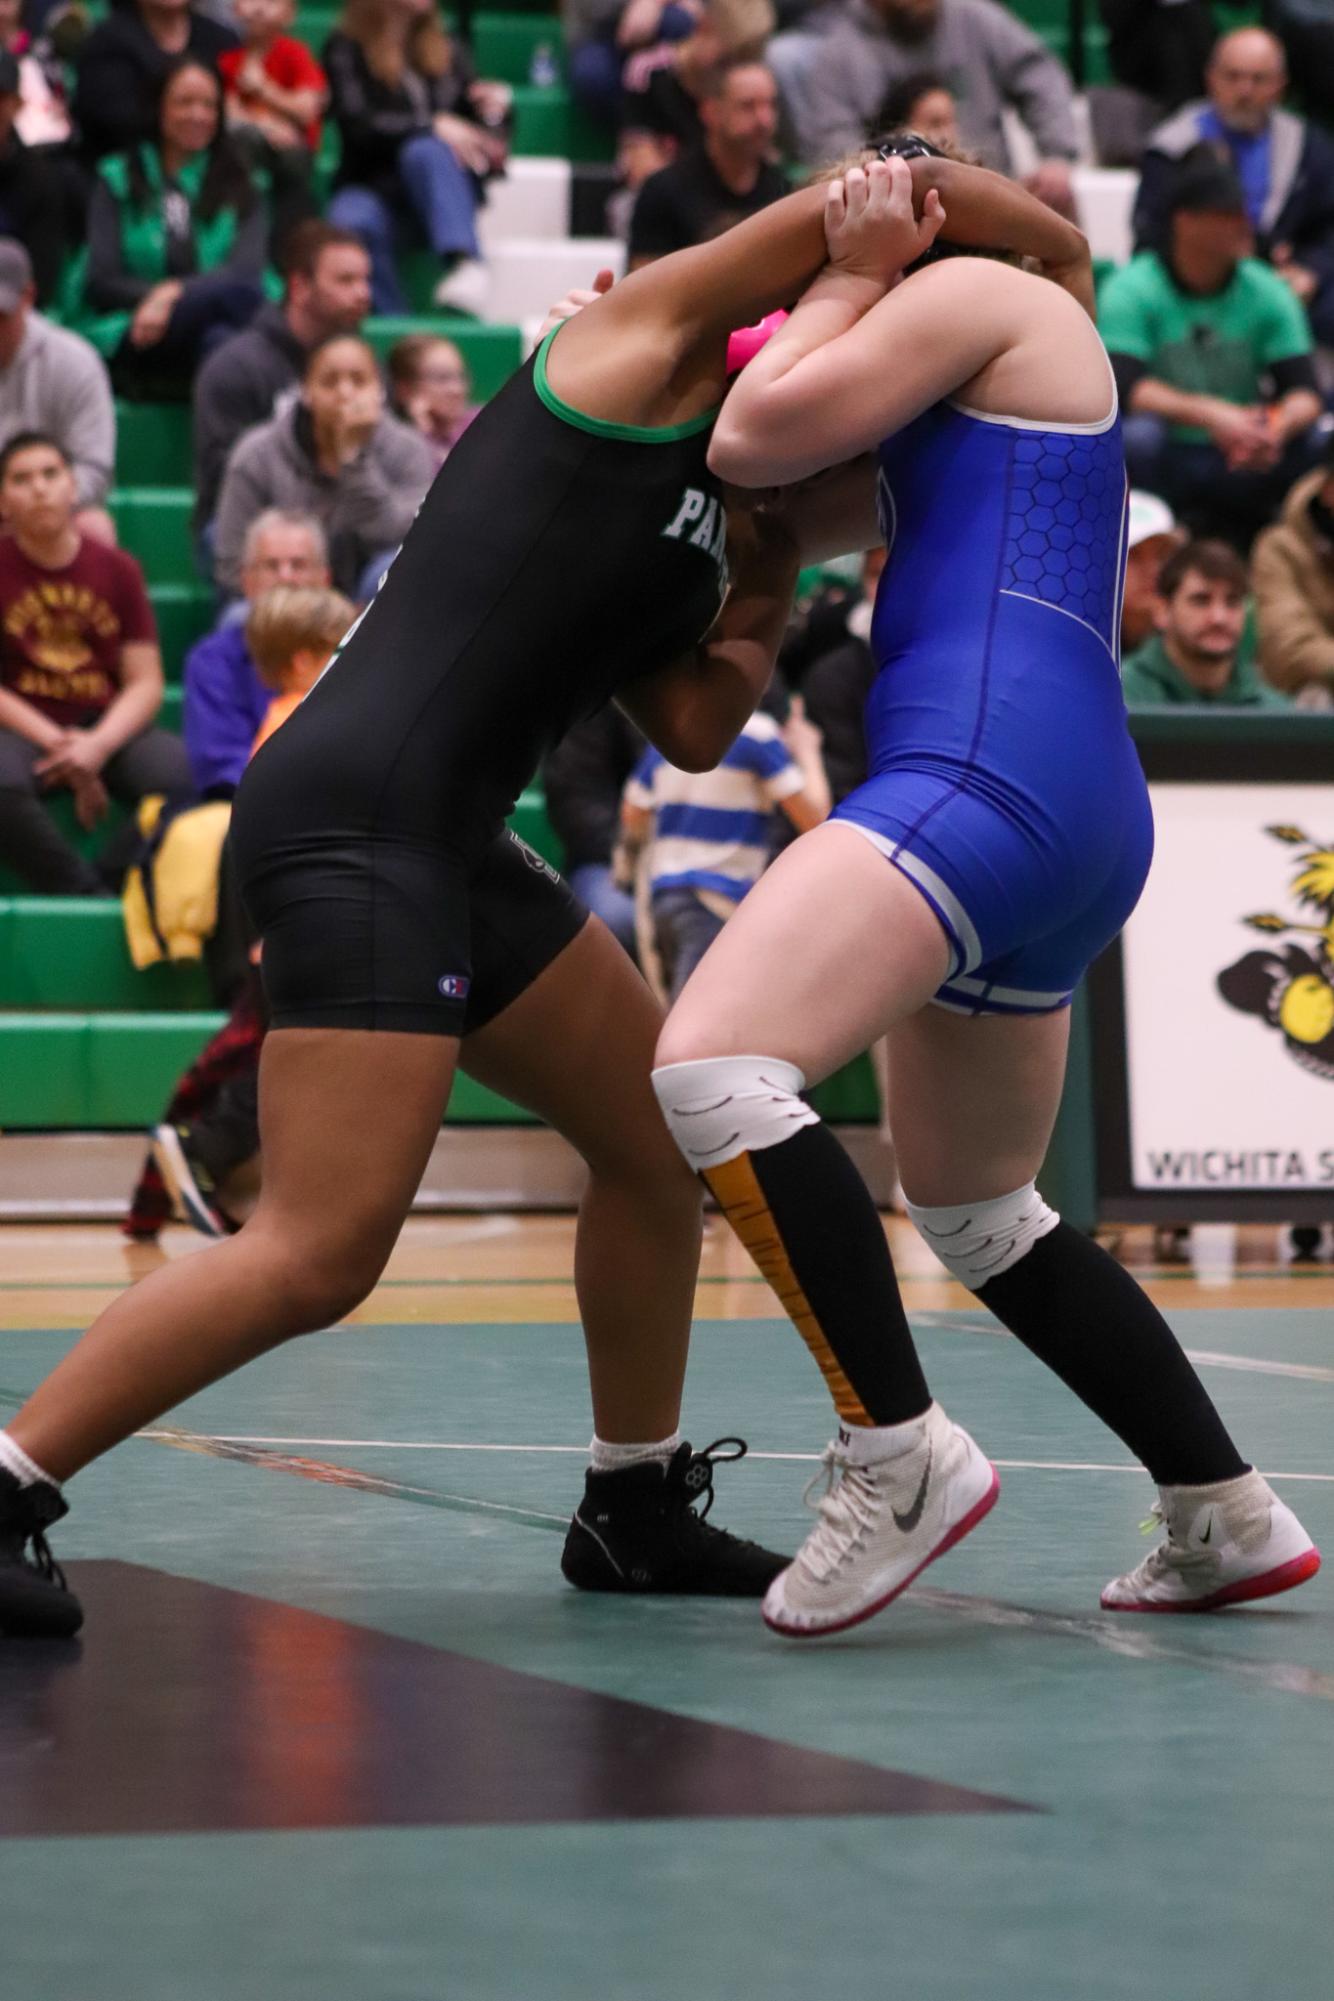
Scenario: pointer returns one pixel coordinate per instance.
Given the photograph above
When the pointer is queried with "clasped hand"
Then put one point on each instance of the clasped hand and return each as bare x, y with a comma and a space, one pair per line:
870, 226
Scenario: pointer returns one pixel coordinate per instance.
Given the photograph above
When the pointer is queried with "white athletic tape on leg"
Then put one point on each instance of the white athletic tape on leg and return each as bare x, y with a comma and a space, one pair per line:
978, 1241
725, 1106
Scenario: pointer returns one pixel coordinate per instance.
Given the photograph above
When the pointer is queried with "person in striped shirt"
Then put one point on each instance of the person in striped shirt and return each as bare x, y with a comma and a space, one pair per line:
710, 834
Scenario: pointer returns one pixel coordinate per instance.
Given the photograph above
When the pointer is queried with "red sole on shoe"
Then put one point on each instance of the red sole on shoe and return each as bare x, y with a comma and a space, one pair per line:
1267, 1585
978, 1512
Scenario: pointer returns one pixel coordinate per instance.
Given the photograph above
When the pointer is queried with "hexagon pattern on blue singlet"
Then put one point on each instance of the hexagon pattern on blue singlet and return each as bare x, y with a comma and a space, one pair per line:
1063, 536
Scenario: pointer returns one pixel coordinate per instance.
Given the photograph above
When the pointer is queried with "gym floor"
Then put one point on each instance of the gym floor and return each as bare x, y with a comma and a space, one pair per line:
337, 1728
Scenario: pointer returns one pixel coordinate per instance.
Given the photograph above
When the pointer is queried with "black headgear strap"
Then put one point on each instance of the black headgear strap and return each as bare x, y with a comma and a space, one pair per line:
907, 146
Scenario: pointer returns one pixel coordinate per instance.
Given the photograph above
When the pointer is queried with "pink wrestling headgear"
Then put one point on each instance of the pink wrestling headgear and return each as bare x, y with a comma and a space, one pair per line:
746, 342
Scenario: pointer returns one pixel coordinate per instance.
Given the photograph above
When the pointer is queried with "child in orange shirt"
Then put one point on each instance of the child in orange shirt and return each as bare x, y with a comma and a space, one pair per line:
293, 635
205, 1150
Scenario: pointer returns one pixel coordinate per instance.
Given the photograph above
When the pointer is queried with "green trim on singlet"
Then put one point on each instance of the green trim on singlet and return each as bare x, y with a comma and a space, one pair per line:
635, 434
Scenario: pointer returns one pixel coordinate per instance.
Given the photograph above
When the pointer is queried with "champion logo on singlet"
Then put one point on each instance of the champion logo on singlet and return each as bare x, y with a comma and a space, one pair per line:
701, 520
454, 986
535, 861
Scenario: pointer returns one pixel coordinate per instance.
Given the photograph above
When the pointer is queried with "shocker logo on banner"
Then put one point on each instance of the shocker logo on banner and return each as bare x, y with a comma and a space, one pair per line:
1292, 987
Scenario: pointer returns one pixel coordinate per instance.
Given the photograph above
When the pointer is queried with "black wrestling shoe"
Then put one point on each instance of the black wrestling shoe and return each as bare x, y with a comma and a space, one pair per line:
35, 1601
189, 1183
638, 1530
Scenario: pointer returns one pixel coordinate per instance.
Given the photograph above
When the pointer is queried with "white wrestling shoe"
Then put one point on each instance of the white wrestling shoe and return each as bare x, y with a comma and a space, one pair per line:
880, 1524
1224, 1544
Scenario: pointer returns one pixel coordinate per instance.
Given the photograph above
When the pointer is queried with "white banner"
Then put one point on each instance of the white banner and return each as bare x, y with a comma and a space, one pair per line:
1230, 1022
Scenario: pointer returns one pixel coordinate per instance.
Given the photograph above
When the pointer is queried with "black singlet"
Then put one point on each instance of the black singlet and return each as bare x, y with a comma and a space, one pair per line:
555, 558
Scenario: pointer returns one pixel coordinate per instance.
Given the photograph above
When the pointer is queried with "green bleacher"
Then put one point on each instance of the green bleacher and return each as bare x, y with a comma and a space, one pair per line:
116, 1071
88, 1041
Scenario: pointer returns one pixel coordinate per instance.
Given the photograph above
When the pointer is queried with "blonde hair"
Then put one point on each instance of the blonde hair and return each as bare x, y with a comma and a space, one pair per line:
286, 621
392, 43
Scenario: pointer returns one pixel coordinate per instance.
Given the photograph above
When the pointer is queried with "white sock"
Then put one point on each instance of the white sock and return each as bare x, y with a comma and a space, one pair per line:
604, 1458
16, 1461
865, 1444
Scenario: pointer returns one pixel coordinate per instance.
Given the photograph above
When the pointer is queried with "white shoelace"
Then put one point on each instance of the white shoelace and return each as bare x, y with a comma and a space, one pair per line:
848, 1509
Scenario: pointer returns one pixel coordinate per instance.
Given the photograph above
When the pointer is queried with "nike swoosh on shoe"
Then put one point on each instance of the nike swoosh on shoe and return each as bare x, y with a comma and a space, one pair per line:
908, 1521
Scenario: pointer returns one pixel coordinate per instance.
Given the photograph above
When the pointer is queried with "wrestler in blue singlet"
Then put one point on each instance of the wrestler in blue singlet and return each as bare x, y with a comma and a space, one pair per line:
1003, 780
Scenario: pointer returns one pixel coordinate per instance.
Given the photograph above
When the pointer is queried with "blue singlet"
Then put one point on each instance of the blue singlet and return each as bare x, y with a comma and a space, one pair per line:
1003, 780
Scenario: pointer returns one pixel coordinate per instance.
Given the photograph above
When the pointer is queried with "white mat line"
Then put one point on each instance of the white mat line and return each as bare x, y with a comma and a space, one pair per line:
1203, 1358
1308, 1372
795, 1458
1130, 1641
945, 1322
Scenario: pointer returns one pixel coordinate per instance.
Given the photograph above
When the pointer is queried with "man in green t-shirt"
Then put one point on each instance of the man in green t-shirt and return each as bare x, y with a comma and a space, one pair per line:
1198, 655
1213, 361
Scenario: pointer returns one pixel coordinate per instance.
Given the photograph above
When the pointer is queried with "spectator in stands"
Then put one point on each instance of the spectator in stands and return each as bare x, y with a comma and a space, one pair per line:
992, 59
601, 34
1196, 655
124, 64
274, 95
52, 381
639, 155
1159, 47
293, 632
1284, 163
729, 176
921, 103
32, 190
273, 84
665, 86
708, 836
212, 1123
337, 454
80, 674
1151, 537
1294, 591
226, 699
1213, 360
177, 235
431, 390
583, 778
421, 134
328, 291
43, 117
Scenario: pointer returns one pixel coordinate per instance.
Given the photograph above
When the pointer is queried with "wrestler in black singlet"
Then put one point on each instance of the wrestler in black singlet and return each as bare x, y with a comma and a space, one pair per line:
556, 558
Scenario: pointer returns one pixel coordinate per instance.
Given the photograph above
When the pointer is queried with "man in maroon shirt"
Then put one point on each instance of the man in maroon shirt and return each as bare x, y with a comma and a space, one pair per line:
80, 674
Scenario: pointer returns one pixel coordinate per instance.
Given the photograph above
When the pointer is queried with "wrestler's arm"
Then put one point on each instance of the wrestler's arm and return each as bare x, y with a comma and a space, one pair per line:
833, 514
768, 260
694, 709
984, 211
780, 249
834, 382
